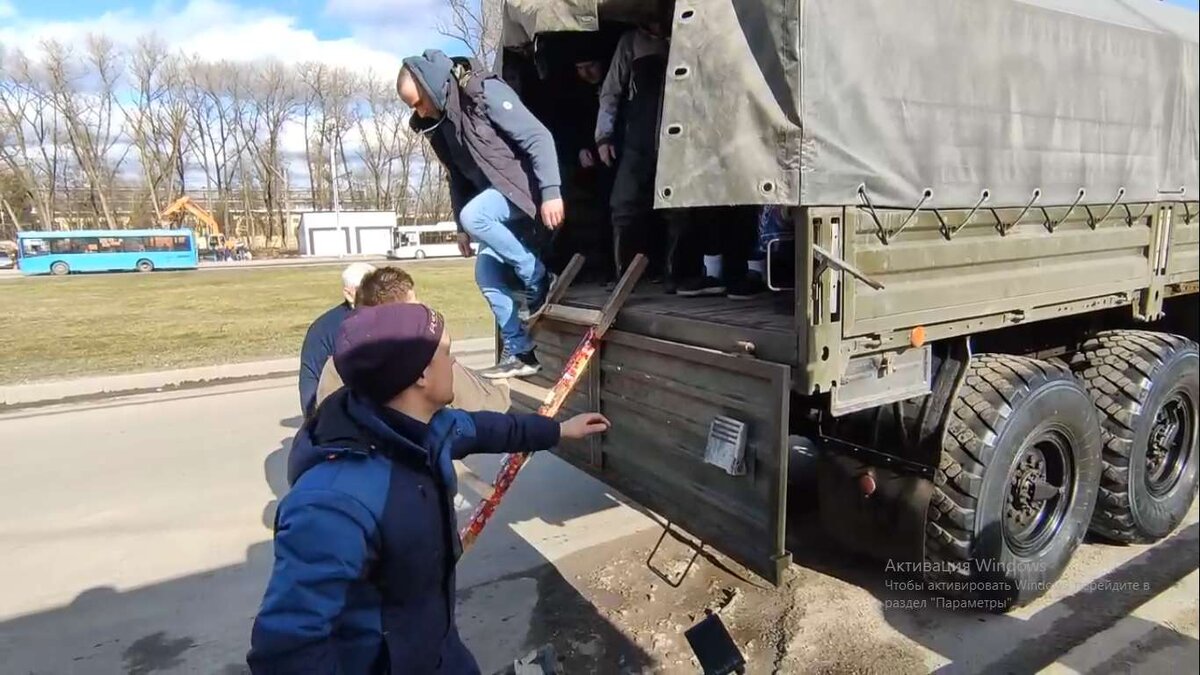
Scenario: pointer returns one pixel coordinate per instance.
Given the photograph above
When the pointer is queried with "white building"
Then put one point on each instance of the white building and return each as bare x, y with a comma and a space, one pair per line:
325, 233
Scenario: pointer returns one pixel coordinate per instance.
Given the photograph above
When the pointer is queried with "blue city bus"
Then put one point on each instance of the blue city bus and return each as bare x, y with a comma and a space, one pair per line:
61, 253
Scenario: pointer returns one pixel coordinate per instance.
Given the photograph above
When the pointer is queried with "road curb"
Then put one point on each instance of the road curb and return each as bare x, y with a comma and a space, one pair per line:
40, 394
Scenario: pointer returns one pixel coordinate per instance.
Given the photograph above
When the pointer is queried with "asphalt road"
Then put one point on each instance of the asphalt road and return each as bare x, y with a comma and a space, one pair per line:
134, 538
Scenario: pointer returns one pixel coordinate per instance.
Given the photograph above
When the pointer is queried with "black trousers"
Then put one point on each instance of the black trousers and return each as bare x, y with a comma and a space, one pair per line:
636, 225
727, 231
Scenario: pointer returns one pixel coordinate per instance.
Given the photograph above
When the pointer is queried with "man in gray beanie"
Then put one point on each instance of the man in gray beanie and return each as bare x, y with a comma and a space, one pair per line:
366, 542
503, 174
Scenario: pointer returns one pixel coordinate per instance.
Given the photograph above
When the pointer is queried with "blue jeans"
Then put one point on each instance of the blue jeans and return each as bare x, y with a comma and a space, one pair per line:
490, 219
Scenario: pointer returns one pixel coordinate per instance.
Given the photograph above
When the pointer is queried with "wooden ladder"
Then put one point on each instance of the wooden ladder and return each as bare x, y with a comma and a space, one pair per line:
597, 321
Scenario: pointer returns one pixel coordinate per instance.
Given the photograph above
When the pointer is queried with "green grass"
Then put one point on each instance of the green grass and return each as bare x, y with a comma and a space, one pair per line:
124, 323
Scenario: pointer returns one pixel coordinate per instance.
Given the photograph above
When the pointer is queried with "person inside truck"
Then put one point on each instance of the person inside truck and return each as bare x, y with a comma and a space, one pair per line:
633, 92
573, 68
366, 542
723, 238
504, 175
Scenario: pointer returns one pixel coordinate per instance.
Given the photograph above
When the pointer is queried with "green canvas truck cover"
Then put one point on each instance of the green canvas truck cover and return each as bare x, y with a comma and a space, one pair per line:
804, 101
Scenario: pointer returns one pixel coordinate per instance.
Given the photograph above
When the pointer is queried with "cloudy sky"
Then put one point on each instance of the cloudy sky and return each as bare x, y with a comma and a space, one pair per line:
362, 34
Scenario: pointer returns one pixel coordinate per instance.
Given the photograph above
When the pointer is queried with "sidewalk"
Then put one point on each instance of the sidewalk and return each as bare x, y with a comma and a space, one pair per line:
474, 352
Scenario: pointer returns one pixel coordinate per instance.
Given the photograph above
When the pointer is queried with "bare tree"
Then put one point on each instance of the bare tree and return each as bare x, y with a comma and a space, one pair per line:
85, 93
159, 120
14, 200
93, 134
30, 134
217, 98
476, 24
329, 96
386, 145
273, 99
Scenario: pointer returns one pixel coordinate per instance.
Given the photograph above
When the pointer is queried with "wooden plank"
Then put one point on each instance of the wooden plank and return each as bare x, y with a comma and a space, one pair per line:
558, 289
579, 316
621, 293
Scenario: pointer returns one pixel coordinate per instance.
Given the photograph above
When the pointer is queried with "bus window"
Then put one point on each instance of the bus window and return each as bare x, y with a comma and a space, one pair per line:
111, 244
34, 247
75, 245
432, 238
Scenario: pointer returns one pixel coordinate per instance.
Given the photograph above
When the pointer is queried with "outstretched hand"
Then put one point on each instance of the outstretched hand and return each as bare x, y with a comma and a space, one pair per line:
582, 426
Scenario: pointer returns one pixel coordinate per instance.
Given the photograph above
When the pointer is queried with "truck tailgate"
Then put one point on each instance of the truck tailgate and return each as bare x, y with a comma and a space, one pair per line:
661, 398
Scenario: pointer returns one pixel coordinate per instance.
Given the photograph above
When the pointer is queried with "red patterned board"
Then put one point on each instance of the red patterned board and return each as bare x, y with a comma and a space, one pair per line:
512, 464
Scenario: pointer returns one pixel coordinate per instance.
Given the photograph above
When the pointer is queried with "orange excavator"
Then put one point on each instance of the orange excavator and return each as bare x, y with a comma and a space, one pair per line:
185, 206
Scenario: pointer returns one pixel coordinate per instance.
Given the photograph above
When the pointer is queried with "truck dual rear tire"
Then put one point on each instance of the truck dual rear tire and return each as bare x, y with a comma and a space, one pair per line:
1145, 386
1016, 482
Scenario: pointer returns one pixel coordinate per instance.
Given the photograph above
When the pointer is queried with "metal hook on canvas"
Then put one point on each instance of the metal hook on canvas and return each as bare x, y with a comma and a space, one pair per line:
1051, 224
926, 195
984, 195
1093, 222
1130, 218
866, 200
1037, 194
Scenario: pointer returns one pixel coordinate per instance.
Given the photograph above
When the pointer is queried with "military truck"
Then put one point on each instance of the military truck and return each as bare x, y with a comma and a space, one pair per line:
985, 343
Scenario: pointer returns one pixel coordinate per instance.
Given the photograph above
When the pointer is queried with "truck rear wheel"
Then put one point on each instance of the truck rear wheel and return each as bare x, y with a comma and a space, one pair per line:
1015, 485
1145, 386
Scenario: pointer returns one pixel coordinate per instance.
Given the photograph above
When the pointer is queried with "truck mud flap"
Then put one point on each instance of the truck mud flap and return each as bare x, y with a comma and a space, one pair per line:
662, 398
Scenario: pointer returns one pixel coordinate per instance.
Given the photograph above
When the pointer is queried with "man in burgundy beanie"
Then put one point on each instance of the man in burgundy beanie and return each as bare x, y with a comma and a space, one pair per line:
366, 541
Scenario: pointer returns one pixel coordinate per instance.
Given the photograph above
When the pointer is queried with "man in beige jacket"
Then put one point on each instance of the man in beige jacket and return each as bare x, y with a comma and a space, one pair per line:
385, 285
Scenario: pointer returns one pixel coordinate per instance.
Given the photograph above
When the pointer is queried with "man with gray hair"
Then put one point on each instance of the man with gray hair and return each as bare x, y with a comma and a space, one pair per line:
318, 341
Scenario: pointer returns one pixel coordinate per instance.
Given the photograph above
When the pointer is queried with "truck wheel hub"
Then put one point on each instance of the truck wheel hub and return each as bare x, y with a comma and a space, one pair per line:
1167, 449
1035, 503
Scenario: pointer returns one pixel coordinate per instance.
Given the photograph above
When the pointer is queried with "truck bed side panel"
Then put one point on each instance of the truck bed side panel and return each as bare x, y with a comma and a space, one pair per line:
930, 280
662, 398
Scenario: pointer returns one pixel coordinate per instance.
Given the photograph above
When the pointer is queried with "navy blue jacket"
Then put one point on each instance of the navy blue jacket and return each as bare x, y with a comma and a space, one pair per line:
317, 348
366, 541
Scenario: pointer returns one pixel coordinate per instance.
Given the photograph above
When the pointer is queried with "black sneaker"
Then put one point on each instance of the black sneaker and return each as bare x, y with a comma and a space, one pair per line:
747, 288
670, 286
520, 365
702, 286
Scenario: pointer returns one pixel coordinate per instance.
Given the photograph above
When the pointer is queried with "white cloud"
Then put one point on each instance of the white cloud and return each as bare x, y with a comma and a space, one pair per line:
404, 26
7, 10
218, 29
389, 11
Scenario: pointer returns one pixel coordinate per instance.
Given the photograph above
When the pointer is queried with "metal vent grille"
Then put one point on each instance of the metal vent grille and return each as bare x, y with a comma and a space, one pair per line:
727, 445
